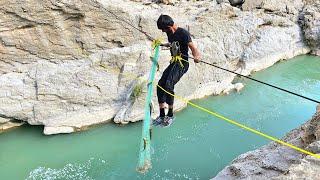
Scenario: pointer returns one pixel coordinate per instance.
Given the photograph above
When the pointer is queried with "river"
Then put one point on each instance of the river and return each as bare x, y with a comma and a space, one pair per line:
196, 146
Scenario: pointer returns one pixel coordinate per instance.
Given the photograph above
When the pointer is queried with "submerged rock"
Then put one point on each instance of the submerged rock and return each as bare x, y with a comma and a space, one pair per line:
237, 87
9, 125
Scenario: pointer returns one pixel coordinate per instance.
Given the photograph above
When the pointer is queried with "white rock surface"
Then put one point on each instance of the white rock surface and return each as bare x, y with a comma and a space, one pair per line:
57, 130
307, 169
237, 87
310, 22
3, 120
9, 125
74, 64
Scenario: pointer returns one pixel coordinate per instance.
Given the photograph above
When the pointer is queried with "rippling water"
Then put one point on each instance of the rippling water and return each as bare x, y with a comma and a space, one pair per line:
196, 146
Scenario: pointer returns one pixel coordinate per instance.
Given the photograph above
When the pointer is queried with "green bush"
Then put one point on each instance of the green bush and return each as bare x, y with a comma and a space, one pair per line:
137, 90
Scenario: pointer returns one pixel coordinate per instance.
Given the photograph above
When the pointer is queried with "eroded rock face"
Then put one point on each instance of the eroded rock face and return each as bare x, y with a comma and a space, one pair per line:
305, 12
274, 161
311, 25
9, 125
284, 6
167, 2
307, 169
312, 130
70, 64
52, 57
264, 163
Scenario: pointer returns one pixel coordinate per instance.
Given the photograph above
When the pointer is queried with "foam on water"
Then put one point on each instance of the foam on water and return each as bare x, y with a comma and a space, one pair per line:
71, 171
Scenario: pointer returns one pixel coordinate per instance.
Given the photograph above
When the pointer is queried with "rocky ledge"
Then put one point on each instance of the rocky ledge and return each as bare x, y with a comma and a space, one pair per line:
274, 161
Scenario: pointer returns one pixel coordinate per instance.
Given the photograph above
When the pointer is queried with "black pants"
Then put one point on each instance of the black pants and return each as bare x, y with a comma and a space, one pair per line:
169, 78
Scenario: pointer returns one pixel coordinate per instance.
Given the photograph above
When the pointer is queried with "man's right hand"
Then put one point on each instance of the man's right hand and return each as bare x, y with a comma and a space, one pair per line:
197, 58
195, 52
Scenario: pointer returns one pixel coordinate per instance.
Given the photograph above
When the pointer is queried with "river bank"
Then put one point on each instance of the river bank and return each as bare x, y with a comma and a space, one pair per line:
196, 146
54, 54
274, 161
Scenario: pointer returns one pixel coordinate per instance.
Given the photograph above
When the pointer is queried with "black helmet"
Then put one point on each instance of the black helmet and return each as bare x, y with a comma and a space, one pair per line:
164, 21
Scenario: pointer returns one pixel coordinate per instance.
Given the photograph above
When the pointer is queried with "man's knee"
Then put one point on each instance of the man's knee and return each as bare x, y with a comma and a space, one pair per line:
169, 86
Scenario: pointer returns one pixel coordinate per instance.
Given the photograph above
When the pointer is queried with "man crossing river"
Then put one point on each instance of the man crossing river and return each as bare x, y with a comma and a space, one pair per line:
179, 42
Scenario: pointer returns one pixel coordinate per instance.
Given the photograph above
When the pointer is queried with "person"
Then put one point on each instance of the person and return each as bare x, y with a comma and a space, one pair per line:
179, 42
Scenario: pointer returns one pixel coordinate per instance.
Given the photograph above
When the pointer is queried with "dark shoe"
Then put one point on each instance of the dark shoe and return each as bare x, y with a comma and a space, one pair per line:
159, 120
168, 121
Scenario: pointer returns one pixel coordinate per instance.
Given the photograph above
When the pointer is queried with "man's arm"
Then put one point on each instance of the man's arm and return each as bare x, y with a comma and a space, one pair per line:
166, 44
195, 52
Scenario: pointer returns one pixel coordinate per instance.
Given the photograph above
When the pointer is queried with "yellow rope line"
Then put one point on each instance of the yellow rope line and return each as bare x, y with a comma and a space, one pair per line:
230, 121
242, 126
157, 42
178, 59
134, 76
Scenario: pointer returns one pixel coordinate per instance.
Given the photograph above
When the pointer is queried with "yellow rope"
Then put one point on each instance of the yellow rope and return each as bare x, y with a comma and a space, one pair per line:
232, 121
156, 42
134, 76
177, 58
242, 126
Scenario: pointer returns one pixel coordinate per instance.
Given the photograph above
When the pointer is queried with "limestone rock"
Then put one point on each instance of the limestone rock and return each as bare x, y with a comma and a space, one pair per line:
285, 8
57, 130
264, 163
307, 169
3, 120
310, 21
75, 63
250, 5
9, 125
314, 147
274, 161
237, 87
167, 2
312, 129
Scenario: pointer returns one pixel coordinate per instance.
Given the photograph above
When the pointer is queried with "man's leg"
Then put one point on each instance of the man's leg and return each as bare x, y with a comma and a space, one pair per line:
175, 75
162, 96
170, 111
162, 109
161, 101
173, 78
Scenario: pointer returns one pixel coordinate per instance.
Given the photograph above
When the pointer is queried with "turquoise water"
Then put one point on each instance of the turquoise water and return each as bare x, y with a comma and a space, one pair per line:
196, 146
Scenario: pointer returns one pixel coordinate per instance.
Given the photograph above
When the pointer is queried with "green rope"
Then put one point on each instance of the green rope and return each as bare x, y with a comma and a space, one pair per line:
145, 156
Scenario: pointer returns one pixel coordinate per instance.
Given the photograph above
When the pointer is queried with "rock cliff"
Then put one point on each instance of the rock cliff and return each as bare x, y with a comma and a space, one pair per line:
274, 161
70, 64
